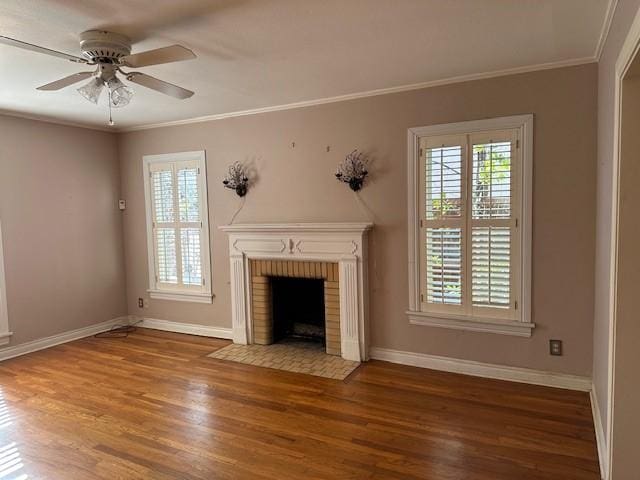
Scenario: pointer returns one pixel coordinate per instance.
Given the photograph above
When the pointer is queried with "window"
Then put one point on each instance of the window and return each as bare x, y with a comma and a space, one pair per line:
178, 227
5, 334
469, 225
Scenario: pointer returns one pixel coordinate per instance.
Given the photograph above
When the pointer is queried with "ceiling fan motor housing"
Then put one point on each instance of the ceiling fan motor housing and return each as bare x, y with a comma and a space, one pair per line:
104, 47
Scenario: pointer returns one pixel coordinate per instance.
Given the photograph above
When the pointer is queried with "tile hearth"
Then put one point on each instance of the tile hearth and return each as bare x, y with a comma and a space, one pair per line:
289, 355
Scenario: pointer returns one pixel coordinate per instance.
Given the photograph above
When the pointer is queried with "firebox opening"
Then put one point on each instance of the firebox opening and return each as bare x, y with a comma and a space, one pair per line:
298, 308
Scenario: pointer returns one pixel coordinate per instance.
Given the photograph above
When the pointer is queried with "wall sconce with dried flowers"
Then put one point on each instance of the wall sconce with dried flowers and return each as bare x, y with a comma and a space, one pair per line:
237, 179
353, 170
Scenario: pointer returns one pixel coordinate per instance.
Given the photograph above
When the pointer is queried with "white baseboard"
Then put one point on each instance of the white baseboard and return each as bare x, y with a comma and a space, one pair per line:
486, 370
42, 343
601, 440
178, 327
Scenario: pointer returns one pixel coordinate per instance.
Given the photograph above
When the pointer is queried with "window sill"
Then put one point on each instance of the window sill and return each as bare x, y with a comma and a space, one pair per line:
5, 338
181, 296
502, 327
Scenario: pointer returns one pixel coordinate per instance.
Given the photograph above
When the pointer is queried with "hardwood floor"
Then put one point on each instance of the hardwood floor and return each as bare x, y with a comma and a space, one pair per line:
154, 406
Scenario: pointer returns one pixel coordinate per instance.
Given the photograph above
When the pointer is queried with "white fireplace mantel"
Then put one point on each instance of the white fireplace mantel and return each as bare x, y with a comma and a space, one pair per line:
343, 243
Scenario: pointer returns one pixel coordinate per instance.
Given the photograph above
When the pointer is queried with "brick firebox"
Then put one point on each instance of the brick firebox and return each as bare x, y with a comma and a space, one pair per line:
262, 270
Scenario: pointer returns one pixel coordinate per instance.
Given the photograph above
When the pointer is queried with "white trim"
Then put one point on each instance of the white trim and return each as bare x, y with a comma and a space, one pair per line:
181, 297
472, 126
5, 334
56, 121
606, 27
487, 325
369, 93
485, 370
625, 58
53, 340
344, 227
525, 124
599, 428
196, 295
188, 328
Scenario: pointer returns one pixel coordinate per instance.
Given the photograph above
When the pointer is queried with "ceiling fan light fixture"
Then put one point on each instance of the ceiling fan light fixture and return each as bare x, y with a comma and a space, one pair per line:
120, 94
109, 51
92, 90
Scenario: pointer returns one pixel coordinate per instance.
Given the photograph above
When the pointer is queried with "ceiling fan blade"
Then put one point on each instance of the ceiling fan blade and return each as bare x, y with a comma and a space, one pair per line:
159, 85
35, 48
66, 81
173, 53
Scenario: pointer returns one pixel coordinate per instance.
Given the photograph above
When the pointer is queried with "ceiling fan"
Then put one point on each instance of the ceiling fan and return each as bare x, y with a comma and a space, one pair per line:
109, 52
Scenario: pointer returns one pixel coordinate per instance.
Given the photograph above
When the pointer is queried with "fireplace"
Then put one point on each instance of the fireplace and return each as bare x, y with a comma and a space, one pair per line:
286, 293
334, 254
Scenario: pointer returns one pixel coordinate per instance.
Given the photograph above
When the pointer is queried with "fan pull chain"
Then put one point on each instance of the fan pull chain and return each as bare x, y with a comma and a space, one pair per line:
111, 122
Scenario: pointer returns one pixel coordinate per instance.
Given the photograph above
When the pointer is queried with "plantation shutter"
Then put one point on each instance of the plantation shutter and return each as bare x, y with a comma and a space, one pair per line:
469, 224
177, 224
164, 224
190, 224
443, 222
494, 206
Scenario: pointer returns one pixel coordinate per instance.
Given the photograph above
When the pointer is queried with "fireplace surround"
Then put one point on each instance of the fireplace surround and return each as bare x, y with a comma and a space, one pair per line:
268, 275
304, 248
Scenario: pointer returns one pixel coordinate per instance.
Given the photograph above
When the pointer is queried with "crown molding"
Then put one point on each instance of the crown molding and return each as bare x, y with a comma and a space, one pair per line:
338, 98
606, 26
55, 121
365, 94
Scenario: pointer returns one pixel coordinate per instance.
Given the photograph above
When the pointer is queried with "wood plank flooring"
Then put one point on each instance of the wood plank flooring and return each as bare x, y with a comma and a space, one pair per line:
153, 406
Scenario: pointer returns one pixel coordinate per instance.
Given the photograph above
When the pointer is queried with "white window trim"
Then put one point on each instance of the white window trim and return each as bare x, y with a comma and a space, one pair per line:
5, 334
521, 327
206, 295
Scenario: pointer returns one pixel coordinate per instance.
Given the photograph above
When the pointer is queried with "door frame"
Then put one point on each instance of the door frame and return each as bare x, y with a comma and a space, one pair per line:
627, 55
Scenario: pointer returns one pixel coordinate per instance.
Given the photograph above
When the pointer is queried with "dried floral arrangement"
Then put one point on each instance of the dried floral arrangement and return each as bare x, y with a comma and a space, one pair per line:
237, 179
353, 170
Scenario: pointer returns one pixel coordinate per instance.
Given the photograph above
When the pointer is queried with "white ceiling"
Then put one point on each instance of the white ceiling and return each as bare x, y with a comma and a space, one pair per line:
263, 53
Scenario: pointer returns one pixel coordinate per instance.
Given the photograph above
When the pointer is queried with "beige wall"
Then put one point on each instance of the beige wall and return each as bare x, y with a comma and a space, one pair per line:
297, 184
624, 15
61, 227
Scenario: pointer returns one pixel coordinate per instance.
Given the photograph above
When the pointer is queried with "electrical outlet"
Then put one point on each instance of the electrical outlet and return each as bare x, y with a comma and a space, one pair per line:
555, 347
140, 302
146, 303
